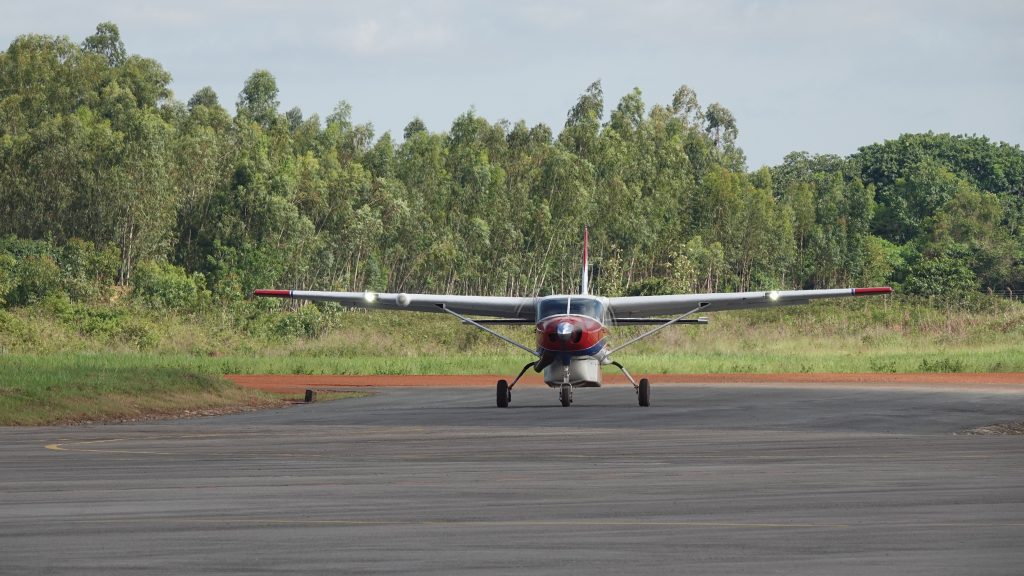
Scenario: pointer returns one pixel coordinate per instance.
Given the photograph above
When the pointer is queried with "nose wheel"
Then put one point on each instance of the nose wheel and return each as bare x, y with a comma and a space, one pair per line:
565, 395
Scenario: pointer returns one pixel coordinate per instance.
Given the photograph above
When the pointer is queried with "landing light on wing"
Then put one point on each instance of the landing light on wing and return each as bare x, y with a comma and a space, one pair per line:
370, 297
773, 295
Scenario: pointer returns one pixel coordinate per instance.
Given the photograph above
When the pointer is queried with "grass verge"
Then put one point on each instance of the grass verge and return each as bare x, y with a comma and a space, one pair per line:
38, 390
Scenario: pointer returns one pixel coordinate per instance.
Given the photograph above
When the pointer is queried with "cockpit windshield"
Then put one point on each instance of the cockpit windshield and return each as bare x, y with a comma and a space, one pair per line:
577, 305
586, 307
552, 307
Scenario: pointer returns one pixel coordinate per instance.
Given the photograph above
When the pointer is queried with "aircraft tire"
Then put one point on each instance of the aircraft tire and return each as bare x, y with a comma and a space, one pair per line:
644, 392
504, 394
565, 396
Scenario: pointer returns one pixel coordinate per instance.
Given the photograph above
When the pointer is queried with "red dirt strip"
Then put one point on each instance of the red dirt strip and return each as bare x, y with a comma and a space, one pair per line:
966, 382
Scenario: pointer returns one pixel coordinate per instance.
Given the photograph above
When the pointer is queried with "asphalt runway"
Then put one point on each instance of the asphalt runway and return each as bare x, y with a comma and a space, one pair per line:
710, 480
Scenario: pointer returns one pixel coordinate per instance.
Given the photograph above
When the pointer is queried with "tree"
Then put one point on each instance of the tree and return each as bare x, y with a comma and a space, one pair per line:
416, 126
107, 43
921, 192
969, 224
147, 81
205, 96
257, 101
584, 121
144, 200
720, 125
685, 106
993, 167
628, 116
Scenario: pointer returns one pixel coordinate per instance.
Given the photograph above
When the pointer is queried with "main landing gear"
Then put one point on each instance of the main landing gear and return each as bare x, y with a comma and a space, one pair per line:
504, 394
643, 388
504, 389
643, 392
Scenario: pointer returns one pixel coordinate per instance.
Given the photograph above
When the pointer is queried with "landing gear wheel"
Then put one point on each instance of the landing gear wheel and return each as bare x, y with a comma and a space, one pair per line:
643, 392
504, 394
565, 395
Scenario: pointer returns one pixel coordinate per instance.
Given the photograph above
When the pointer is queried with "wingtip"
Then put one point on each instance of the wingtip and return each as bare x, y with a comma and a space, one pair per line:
872, 291
273, 293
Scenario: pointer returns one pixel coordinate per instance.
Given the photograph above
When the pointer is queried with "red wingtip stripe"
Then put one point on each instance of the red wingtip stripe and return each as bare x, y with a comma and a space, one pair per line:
869, 291
273, 293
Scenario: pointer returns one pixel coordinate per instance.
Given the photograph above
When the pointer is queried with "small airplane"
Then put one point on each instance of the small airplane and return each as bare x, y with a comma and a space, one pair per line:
571, 329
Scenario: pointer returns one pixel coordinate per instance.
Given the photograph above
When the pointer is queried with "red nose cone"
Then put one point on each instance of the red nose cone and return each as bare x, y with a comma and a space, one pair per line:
572, 334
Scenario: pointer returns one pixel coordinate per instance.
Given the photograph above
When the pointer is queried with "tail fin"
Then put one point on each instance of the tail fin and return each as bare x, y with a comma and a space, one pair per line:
585, 285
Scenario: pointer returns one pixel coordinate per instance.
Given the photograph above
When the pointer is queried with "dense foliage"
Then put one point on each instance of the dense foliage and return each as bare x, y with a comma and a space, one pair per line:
107, 182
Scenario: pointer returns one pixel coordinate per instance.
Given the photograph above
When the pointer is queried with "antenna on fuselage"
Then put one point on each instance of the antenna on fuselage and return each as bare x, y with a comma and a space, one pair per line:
585, 284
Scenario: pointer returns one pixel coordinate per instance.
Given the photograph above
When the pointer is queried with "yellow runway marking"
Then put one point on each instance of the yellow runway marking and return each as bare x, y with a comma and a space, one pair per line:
73, 447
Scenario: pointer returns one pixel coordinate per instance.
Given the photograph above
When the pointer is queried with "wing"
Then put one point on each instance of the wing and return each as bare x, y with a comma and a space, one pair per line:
674, 304
498, 306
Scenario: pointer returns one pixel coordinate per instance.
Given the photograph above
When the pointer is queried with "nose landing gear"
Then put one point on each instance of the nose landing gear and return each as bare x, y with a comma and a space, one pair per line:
565, 395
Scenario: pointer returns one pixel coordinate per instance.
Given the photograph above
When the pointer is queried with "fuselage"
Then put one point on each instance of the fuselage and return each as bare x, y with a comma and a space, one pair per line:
571, 333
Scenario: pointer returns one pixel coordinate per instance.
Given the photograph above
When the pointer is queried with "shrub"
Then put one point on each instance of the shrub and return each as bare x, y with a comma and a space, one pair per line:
14, 330
164, 285
113, 323
308, 321
942, 365
8, 276
36, 275
88, 271
945, 276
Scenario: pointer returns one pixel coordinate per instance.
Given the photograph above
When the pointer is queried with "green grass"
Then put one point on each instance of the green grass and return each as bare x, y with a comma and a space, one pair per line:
66, 389
70, 363
352, 341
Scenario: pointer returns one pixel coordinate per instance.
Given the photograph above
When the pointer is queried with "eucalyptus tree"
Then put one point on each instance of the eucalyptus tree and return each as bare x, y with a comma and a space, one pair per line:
583, 122
107, 43
257, 102
204, 155
143, 196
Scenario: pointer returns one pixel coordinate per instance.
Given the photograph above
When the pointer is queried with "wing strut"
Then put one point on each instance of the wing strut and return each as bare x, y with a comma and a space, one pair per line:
653, 331
468, 320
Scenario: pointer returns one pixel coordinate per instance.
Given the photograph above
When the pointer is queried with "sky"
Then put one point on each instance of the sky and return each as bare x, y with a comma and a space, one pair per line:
822, 76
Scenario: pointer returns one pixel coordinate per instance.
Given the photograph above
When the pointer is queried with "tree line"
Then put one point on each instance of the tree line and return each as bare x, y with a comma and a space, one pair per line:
107, 180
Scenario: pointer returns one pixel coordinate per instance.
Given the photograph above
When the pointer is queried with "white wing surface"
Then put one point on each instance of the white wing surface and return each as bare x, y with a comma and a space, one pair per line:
675, 304
497, 306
